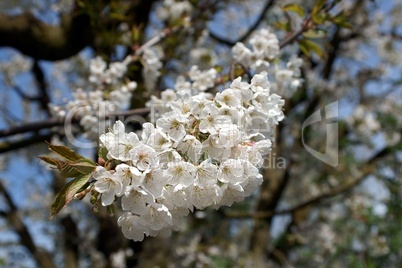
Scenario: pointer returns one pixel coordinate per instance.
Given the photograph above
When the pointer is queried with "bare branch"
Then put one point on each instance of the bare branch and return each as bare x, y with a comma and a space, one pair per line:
306, 25
8, 146
267, 6
42, 86
55, 122
39, 40
365, 170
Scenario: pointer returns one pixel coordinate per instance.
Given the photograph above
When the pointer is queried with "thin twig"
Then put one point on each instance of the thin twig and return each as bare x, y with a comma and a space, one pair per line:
365, 170
55, 122
260, 18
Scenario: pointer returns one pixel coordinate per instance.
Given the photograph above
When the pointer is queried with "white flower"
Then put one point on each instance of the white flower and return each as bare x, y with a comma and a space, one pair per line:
176, 198
173, 124
231, 193
132, 85
206, 174
254, 178
191, 147
283, 76
263, 146
211, 120
157, 217
258, 43
202, 197
180, 107
182, 84
147, 130
108, 185
131, 226
202, 79
120, 98
198, 103
128, 175
241, 53
260, 82
294, 64
229, 97
168, 95
118, 143
213, 149
159, 140
97, 66
231, 171
135, 200
227, 136
168, 156
243, 87
180, 174
144, 157
154, 182
232, 113
117, 70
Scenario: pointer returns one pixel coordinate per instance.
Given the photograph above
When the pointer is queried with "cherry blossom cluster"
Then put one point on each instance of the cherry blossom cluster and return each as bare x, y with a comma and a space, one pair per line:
171, 10
203, 151
108, 92
265, 48
152, 64
264, 51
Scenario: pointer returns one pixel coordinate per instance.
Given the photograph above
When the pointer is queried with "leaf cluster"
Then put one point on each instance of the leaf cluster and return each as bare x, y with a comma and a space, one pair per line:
71, 165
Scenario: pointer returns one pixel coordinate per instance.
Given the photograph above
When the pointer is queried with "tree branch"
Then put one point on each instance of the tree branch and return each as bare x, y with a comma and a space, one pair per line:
39, 40
55, 122
42, 86
227, 42
24, 142
365, 170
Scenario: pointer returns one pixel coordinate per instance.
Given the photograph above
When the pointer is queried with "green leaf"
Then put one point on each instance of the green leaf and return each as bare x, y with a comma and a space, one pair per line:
341, 21
84, 166
68, 171
304, 49
67, 193
319, 18
49, 160
295, 8
65, 152
102, 153
314, 33
308, 45
117, 16
318, 6
71, 169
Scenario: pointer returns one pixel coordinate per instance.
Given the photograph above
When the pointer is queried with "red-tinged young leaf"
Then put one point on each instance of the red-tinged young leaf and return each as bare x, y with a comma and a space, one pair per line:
64, 167
49, 160
71, 169
68, 171
65, 152
67, 193
295, 8
84, 166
